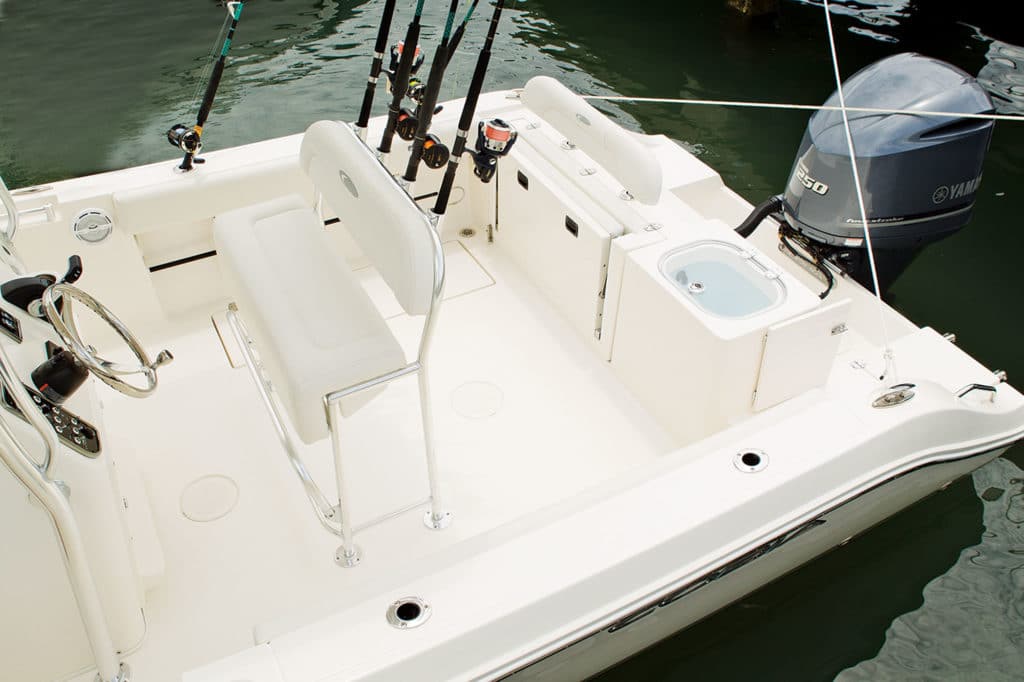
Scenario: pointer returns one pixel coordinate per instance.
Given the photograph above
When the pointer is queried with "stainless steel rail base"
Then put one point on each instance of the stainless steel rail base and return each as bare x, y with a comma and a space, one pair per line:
124, 674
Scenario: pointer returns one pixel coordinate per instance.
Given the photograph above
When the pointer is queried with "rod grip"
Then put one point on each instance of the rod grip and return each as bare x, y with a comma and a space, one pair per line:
444, 193
211, 93
371, 87
375, 67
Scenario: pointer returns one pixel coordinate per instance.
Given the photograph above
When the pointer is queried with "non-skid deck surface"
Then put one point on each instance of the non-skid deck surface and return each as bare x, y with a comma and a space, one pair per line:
526, 415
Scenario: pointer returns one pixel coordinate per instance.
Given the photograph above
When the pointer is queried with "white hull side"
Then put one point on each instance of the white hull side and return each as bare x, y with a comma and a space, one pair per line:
683, 607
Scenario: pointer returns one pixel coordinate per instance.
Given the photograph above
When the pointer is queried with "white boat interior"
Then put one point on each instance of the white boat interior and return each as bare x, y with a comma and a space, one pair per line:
628, 404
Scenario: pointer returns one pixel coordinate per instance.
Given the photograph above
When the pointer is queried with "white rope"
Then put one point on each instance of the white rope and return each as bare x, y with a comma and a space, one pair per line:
800, 107
890, 360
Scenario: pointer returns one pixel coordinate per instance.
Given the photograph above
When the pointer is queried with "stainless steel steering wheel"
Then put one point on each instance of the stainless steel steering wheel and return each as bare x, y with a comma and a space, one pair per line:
108, 372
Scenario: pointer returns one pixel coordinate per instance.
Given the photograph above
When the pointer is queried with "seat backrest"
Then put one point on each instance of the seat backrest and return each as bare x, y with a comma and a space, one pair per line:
619, 152
393, 233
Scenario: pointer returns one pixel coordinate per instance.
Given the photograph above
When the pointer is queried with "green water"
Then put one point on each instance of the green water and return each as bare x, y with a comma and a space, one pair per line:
91, 86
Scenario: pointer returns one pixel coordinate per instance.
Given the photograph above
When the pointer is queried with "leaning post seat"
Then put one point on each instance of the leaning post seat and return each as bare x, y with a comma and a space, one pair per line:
314, 325
323, 347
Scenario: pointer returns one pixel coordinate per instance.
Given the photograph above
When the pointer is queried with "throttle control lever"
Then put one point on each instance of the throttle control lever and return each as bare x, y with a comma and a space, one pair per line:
74, 270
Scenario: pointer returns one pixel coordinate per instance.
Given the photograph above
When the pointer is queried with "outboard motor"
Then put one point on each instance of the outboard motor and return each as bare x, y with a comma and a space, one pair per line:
920, 174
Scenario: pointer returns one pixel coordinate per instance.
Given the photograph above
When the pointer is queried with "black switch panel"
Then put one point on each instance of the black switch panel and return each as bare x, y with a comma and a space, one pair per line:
74, 431
9, 325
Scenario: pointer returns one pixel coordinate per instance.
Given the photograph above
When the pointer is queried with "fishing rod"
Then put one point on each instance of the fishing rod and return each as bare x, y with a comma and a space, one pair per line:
494, 138
375, 67
460, 30
400, 80
189, 140
436, 153
408, 121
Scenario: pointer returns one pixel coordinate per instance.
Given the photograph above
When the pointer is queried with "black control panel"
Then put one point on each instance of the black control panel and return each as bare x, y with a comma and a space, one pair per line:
9, 325
72, 429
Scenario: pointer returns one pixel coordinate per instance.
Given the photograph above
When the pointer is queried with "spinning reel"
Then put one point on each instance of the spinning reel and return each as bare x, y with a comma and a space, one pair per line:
407, 120
435, 153
396, 57
494, 139
407, 124
186, 139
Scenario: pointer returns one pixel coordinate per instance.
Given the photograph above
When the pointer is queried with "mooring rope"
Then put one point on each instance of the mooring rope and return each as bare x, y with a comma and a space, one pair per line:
797, 107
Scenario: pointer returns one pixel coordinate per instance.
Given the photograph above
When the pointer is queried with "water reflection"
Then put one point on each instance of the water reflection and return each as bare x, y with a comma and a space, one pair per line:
971, 625
1003, 76
876, 15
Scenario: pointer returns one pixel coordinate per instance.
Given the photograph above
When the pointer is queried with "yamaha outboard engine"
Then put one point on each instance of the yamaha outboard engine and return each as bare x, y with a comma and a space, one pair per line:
920, 174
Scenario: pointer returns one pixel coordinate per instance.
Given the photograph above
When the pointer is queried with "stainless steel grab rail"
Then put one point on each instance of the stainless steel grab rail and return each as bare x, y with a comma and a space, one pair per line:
12, 212
37, 478
8, 254
32, 414
969, 388
325, 511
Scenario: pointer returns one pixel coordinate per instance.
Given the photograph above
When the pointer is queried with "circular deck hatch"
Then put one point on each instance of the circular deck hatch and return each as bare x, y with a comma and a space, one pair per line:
477, 399
209, 498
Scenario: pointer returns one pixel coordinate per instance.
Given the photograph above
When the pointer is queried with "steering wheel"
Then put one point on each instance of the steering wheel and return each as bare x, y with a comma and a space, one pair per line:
110, 373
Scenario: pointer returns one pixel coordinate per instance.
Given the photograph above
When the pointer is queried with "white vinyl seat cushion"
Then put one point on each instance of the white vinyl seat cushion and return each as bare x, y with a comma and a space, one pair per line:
390, 229
314, 327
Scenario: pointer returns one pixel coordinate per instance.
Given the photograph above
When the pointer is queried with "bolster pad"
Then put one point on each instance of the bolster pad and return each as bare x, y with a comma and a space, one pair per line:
619, 152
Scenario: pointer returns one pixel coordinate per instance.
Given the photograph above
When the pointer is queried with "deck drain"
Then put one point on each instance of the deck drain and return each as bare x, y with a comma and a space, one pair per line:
477, 399
408, 612
209, 498
750, 461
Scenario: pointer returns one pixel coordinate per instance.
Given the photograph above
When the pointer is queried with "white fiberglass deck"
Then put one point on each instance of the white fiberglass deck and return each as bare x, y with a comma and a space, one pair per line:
526, 416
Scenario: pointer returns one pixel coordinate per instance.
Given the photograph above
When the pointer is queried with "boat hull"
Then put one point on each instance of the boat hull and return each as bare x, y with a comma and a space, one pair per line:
678, 607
